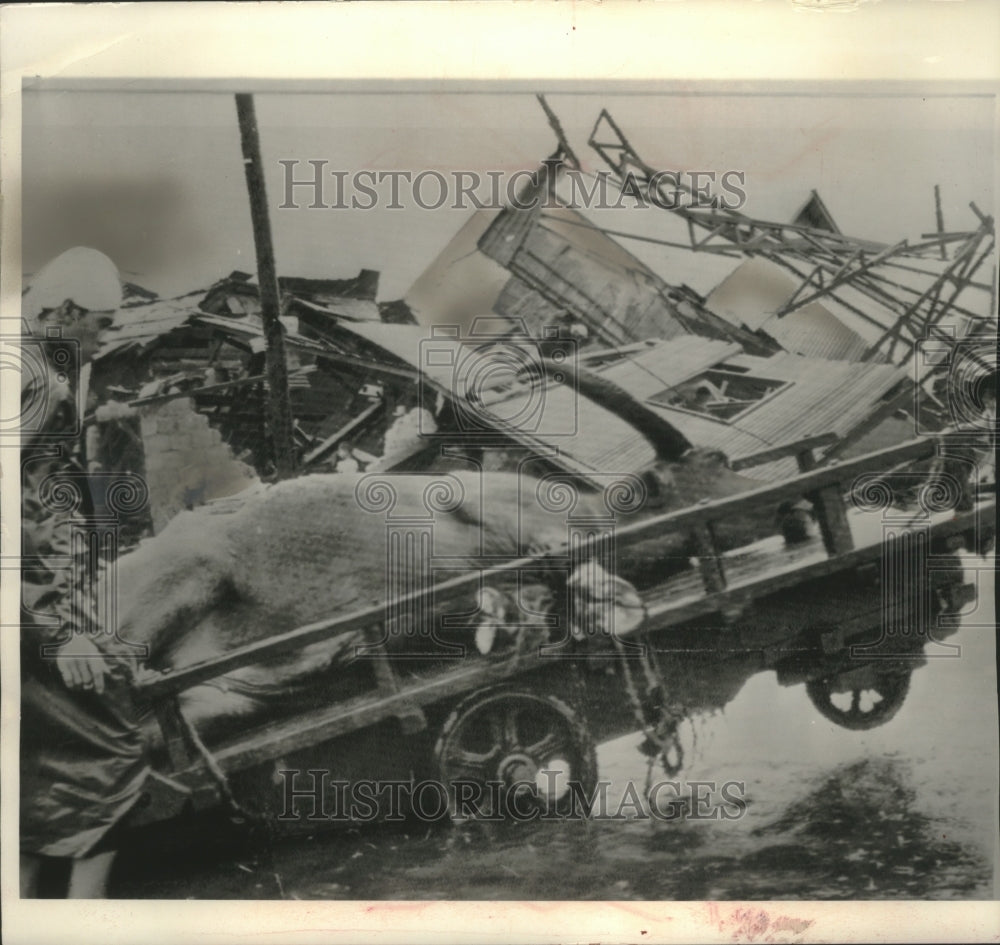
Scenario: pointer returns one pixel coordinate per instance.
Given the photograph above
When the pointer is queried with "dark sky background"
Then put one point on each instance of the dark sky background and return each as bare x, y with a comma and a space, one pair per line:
155, 179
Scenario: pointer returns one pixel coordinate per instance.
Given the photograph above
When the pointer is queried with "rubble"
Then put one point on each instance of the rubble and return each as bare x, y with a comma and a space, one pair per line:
750, 336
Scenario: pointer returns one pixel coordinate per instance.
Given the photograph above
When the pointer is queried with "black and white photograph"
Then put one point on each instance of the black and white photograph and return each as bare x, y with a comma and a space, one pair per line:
564, 490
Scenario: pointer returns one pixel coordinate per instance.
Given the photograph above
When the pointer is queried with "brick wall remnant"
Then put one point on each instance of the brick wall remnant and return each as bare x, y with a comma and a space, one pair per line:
187, 463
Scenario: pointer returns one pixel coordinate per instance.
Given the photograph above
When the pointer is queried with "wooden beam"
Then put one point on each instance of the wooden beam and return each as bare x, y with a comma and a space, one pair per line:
959, 284
279, 414
939, 216
370, 366
896, 264
331, 441
987, 221
787, 264
828, 506
666, 612
865, 282
713, 576
318, 726
194, 391
564, 146
842, 276
805, 460
794, 448
961, 261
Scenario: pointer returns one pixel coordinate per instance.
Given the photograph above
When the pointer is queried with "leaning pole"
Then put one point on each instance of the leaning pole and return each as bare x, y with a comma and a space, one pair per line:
279, 407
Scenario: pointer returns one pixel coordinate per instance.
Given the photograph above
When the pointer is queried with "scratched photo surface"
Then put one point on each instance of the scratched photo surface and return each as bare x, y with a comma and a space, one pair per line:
509, 493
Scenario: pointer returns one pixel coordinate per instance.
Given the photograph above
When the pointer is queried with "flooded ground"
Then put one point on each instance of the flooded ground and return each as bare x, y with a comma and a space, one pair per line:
906, 810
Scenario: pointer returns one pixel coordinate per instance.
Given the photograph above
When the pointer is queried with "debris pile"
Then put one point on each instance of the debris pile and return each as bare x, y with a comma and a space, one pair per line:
749, 336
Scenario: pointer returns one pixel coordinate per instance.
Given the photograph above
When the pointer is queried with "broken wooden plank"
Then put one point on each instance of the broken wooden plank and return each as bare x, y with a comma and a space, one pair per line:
331, 441
313, 728
828, 507
709, 562
196, 391
794, 448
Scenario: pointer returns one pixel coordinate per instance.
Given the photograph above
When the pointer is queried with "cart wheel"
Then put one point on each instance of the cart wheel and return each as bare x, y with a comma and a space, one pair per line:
512, 755
859, 702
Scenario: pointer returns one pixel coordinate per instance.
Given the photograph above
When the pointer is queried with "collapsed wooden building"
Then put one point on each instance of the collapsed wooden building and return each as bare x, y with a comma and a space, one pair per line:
205, 350
749, 336
362, 376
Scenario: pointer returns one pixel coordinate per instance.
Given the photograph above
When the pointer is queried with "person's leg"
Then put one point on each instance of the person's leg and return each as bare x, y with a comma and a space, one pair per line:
29, 867
88, 878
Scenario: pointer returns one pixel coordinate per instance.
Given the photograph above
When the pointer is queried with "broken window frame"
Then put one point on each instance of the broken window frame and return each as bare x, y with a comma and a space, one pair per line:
779, 387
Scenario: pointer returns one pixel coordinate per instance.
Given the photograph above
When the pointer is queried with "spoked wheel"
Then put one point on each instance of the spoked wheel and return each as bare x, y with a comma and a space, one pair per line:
860, 699
514, 755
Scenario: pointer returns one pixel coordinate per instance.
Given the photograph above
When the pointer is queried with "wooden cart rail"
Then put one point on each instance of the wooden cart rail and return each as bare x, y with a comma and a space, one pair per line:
316, 727
664, 609
825, 487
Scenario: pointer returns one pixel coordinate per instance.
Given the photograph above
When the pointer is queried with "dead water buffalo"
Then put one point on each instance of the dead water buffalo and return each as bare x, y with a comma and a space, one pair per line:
280, 556
284, 555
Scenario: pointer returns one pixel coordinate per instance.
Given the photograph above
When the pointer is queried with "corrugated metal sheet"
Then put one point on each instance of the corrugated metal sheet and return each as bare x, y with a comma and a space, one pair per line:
404, 343
816, 333
752, 294
586, 437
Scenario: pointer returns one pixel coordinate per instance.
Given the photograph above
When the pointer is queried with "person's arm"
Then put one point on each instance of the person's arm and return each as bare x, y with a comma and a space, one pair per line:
79, 662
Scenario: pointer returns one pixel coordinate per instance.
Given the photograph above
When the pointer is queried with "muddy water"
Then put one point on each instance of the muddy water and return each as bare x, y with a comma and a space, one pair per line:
907, 810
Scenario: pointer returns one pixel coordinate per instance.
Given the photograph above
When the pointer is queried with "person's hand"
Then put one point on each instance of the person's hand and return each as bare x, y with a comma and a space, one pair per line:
81, 664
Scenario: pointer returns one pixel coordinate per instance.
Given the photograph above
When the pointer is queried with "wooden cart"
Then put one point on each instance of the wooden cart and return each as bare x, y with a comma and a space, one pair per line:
831, 612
